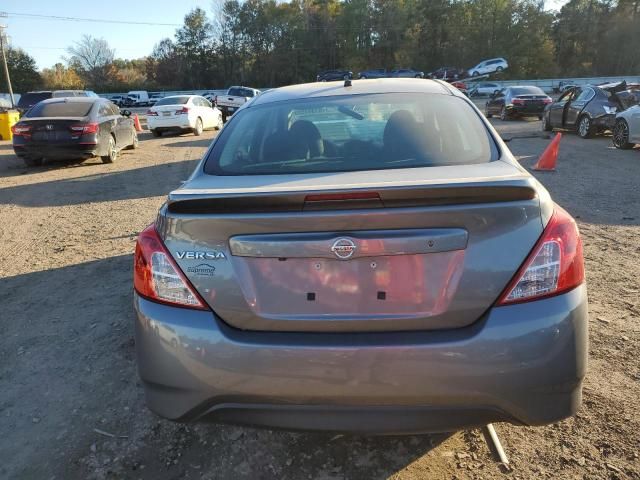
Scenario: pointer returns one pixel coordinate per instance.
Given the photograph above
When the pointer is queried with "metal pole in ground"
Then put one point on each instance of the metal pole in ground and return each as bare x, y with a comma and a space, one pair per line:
4, 61
491, 437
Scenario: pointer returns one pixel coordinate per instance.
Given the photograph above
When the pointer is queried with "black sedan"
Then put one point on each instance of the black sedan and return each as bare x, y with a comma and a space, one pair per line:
587, 109
333, 75
73, 128
526, 101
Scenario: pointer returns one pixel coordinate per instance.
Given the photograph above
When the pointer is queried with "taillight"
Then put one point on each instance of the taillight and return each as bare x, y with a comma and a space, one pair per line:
183, 111
21, 130
517, 101
84, 128
156, 275
554, 266
547, 100
151, 113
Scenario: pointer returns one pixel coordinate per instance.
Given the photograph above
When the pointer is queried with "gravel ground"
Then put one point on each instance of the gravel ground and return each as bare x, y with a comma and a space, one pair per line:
71, 405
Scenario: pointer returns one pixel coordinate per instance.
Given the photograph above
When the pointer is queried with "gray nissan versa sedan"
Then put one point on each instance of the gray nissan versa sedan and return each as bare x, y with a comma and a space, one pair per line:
367, 258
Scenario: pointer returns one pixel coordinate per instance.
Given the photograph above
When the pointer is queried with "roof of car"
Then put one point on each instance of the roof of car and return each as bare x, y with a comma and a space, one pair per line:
358, 87
74, 100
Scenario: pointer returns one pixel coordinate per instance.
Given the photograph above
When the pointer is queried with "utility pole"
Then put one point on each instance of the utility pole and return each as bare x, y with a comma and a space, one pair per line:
4, 61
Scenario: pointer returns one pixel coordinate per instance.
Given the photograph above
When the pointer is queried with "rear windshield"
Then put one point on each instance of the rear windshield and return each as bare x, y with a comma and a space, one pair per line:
172, 101
29, 99
349, 133
243, 92
527, 91
60, 109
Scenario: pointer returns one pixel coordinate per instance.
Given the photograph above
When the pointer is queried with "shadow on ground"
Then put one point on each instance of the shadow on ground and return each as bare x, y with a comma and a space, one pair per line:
143, 182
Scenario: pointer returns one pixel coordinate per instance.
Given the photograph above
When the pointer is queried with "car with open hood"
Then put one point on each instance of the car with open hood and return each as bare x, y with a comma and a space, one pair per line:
361, 257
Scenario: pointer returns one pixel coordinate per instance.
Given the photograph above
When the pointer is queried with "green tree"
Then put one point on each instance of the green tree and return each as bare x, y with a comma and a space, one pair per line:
22, 70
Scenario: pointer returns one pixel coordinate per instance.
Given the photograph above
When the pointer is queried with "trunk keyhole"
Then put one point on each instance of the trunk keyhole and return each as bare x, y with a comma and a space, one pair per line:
311, 296
382, 295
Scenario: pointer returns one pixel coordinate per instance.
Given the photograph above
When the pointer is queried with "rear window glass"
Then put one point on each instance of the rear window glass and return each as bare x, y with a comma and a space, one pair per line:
172, 101
245, 92
29, 99
348, 133
60, 109
527, 91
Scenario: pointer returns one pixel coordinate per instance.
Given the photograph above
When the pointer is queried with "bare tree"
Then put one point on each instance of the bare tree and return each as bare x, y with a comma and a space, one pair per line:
93, 59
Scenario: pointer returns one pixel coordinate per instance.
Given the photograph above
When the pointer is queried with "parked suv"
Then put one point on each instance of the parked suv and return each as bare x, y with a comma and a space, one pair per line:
29, 99
488, 66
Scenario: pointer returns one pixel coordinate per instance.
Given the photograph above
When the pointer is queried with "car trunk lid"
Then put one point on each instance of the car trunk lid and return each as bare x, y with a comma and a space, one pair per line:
49, 130
424, 248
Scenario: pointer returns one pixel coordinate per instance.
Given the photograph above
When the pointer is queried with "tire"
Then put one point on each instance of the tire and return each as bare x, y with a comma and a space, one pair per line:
504, 116
475, 74
32, 161
417, 76
197, 131
495, 92
546, 125
220, 123
156, 133
363, 77
499, 69
621, 135
112, 151
585, 128
224, 118
134, 141
486, 112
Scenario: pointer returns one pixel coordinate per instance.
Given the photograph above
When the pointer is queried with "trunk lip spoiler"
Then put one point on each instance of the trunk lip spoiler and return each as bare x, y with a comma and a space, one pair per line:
200, 202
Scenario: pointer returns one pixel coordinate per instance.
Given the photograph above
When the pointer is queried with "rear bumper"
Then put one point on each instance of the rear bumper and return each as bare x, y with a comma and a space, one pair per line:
522, 364
228, 111
525, 111
178, 122
56, 151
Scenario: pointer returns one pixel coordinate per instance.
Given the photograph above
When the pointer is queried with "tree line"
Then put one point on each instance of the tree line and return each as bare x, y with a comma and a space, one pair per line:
265, 43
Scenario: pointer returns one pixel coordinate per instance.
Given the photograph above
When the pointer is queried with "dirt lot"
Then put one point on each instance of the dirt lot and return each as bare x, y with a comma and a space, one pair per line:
67, 355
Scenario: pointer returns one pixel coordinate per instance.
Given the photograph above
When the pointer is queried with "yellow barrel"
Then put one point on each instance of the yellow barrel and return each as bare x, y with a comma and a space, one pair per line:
7, 120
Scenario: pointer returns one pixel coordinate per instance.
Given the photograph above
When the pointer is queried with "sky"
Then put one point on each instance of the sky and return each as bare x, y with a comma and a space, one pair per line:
46, 39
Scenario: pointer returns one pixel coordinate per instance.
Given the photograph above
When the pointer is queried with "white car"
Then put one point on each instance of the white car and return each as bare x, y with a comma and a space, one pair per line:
183, 112
626, 130
485, 88
488, 66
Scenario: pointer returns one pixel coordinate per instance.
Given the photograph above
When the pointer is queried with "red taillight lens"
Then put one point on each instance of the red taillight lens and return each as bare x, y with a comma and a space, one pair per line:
156, 275
547, 100
151, 113
84, 128
182, 111
518, 101
555, 265
21, 130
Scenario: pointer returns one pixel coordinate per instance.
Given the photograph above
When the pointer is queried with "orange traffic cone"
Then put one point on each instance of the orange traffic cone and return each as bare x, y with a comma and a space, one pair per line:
547, 160
136, 123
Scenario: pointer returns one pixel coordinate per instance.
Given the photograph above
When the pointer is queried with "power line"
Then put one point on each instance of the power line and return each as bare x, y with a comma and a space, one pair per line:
92, 20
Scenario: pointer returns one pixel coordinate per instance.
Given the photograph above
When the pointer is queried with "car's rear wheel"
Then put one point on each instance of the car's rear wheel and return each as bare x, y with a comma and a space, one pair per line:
585, 129
32, 161
134, 140
197, 131
112, 151
499, 69
621, 135
546, 125
156, 133
475, 74
220, 123
486, 112
363, 77
503, 114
